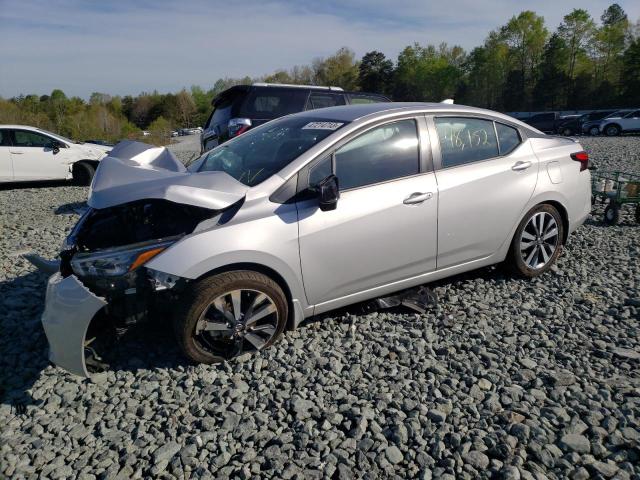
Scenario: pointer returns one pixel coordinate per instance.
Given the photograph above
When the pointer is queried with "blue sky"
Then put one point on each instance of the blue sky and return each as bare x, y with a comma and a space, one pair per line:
126, 47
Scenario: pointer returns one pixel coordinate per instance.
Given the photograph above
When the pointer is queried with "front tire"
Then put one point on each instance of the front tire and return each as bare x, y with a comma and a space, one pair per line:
83, 173
594, 131
567, 132
230, 314
537, 242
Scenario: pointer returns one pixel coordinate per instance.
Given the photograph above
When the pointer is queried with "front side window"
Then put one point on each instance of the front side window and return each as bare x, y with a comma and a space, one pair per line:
256, 155
4, 138
383, 153
465, 140
508, 138
24, 138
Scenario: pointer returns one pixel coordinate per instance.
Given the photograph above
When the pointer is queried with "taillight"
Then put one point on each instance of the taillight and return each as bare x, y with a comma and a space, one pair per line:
583, 158
238, 126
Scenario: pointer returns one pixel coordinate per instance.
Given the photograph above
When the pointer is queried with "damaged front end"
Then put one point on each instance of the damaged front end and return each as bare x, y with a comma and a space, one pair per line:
102, 283
102, 271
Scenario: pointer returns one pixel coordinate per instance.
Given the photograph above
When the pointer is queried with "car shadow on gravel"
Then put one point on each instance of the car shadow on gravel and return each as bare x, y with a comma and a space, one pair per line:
23, 345
71, 208
39, 184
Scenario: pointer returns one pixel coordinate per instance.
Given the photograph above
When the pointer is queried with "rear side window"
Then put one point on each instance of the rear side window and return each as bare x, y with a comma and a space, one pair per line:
384, 153
24, 138
360, 99
272, 102
465, 140
221, 111
323, 100
508, 138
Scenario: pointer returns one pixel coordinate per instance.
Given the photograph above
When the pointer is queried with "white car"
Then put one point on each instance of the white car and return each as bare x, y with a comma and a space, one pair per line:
614, 125
30, 154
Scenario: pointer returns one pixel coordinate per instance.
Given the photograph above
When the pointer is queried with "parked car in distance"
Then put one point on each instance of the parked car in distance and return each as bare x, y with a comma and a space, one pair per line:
190, 131
620, 123
592, 127
309, 213
545, 122
243, 107
31, 154
104, 143
573, 125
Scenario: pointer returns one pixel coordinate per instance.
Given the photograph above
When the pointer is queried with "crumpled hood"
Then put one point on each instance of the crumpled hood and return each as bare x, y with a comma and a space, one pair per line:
135, 171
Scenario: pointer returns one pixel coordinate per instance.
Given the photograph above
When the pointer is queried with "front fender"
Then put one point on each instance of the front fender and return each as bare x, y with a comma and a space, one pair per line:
270, 241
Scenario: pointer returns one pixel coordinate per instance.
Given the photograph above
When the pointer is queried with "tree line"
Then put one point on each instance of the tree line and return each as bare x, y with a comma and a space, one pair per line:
521, 66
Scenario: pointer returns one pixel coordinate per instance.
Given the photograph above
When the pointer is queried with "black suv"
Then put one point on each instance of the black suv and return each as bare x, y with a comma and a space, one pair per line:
242, 107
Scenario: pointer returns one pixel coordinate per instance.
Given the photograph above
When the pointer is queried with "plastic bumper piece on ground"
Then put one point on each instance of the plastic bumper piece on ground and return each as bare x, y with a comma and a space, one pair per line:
69, 309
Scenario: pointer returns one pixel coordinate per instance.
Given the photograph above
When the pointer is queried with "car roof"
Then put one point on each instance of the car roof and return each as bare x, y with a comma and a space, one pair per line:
26, 127
351, 113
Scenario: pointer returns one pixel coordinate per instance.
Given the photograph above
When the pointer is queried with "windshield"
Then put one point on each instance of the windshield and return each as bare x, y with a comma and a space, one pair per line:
256, 155
59, 137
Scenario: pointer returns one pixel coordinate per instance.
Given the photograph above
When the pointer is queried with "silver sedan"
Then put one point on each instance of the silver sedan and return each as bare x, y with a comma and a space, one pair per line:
305, 214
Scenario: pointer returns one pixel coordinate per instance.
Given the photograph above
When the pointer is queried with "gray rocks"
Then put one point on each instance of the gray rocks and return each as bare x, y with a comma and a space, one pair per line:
506, 378
393, 454
575, 443
477, 460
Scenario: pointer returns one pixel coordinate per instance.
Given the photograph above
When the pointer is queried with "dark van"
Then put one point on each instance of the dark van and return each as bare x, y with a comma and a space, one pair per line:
242, 107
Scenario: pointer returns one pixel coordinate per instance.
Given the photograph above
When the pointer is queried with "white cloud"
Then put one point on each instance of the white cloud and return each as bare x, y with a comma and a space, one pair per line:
125, 47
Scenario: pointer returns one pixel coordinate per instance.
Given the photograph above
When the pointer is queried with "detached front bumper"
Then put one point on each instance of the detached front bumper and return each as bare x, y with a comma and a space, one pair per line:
69, 309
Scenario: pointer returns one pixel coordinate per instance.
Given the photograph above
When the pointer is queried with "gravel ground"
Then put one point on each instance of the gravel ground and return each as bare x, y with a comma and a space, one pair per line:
506, 378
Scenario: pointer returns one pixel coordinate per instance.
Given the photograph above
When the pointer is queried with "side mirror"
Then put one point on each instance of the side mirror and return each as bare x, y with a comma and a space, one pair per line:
329, 193
56, 146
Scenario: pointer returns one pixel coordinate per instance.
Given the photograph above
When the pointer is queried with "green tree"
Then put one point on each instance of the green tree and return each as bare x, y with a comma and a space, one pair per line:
577, 30
631, 73
426, 73
525, 35
339, 70
375, 72
160, 130
550, 91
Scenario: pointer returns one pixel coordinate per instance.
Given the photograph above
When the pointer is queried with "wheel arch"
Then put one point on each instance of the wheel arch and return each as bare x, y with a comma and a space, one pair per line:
611, 124
269, 272
563, 214
93, 163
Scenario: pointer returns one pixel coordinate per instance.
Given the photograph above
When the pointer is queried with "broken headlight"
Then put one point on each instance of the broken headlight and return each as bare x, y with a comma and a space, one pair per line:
114, 262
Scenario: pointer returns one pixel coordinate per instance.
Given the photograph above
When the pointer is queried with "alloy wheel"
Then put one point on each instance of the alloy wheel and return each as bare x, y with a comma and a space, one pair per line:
594, 131
539, 240
236, 322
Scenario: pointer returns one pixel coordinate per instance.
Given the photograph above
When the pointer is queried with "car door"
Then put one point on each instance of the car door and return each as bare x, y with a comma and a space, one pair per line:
486, 175
384, 228
34, 157
6, 169
631, 121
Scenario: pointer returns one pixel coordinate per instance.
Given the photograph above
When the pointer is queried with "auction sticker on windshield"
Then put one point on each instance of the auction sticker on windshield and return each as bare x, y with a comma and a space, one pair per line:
322, 126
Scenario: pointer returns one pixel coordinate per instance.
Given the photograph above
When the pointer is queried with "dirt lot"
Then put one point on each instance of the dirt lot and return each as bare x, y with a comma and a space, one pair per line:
506, 378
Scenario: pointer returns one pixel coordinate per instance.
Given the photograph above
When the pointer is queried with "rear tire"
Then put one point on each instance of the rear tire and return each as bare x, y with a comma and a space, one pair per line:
612, 130
537, 242
638, 213
215, 320
594, 131
567, 132
83, 173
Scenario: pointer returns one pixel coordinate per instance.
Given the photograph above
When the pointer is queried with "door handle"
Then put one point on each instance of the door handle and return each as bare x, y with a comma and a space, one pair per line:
520, 165
417, 197
16, 153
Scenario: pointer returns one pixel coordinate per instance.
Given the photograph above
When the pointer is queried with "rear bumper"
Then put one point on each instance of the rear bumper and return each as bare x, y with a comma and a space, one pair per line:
69, 309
